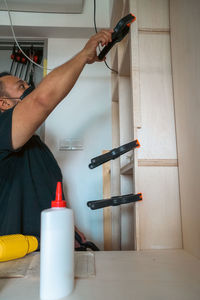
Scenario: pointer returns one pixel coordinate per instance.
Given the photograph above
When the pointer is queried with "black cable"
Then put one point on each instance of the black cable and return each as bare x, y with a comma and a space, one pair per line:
95, 27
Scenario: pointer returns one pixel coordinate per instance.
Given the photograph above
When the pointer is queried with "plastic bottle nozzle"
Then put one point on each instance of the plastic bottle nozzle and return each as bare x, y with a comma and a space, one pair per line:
58, 202
59, 192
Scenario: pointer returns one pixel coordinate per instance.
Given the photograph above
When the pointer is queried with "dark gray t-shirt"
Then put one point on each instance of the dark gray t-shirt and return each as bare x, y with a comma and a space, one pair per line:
28, 179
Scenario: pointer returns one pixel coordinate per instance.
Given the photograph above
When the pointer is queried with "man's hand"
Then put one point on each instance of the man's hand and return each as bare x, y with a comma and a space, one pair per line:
103, 37
83, 238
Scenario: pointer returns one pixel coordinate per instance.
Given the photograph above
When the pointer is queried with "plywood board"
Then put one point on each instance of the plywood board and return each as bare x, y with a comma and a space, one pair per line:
115, 178
107, 212
125, 116
124, 63
157, 134
159, 213
185, 44
127, 210
153, 14
134, 70
127, 275
128, 169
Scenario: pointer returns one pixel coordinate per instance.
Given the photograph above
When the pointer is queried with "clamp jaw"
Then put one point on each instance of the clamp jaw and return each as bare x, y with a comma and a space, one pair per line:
120, 31
114, 201
114, 153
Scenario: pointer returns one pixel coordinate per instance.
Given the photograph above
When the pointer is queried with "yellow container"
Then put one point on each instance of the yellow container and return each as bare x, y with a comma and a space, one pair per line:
16, 245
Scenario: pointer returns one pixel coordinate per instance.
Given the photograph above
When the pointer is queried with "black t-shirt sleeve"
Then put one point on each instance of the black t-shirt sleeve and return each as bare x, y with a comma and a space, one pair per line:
5, 130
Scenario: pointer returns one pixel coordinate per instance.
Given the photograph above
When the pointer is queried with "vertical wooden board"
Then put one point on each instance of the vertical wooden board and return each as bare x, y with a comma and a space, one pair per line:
159, 213
185, 43
157, 135
115, 178
134, 70
153, 14
126, 135
127, 210
136, 110
125, 116
107, 213
117, 10
124, 57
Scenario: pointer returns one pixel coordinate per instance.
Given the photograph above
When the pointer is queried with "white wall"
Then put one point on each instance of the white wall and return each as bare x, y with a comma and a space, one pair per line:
57, 25
84, 114
5, 61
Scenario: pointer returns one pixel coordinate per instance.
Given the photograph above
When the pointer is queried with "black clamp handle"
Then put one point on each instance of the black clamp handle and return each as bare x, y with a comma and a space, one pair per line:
114, 201
120, 31
114, 153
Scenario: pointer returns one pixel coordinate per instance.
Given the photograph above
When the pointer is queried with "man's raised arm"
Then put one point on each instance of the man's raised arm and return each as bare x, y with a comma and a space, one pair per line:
29, 114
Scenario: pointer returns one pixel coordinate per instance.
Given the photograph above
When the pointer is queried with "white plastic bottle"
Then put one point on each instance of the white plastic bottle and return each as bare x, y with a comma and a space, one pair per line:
57, 249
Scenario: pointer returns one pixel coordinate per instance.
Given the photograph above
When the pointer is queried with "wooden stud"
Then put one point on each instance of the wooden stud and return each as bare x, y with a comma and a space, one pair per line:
107, 212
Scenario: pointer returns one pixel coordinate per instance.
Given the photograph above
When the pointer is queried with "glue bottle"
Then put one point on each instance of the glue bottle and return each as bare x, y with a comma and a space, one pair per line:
57, 249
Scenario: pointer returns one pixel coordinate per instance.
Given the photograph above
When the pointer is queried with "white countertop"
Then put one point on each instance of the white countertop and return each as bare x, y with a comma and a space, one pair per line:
121, 275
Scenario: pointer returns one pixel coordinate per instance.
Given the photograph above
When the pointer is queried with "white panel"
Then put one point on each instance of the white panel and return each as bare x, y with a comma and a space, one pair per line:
153, 14
157, 135
29, 19
159, 214
60, 6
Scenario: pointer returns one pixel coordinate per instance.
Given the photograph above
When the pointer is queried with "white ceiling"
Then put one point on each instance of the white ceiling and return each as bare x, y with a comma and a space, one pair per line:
49, 6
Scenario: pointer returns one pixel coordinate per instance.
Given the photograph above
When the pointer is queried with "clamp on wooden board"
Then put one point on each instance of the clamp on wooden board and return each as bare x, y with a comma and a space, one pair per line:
114, 201
120, 31
114, 153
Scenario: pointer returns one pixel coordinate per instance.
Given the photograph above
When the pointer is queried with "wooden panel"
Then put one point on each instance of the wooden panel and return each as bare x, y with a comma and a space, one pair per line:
153, 14
116, 12
107, 213
185, 24
130, 275
115, 88
159, 214
157, 135
127, 210
124, 64
135, 73
114, 58
128, 169
125, 115
115, 178
157, 162
126, 135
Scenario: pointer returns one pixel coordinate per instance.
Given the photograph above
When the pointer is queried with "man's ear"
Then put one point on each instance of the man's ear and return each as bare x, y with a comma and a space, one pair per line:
4, 105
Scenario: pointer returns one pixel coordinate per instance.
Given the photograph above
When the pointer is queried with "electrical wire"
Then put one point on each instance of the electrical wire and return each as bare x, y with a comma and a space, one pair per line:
95, 27
15, 39
39, 66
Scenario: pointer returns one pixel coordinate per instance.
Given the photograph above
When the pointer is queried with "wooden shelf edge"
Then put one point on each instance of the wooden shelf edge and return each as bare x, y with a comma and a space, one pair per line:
158, 162
128, 169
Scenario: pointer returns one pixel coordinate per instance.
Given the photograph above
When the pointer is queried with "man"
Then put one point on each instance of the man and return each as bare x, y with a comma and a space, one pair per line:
28, 170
